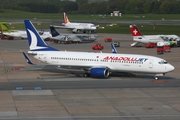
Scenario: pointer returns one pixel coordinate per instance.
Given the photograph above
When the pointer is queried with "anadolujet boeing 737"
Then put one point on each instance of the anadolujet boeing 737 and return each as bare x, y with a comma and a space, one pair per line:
94, 64
76, 27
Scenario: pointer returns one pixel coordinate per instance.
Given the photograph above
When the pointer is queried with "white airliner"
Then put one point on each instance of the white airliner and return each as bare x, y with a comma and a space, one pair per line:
20, 33
76, 27
140, 38
62, 38
94, 64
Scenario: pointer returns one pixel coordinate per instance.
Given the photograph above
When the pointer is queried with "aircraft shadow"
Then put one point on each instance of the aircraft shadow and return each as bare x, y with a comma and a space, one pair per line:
79, 73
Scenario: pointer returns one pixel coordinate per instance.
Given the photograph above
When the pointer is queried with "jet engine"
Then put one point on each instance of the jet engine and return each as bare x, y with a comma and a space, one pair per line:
99, 72
75, 30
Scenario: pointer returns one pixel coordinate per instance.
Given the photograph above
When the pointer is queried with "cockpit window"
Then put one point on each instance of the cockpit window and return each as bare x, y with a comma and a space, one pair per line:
163, 62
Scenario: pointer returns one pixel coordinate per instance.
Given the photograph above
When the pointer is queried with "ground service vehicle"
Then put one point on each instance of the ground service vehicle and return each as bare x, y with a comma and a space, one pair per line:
116, 44
107, 39
163, 45
98, 46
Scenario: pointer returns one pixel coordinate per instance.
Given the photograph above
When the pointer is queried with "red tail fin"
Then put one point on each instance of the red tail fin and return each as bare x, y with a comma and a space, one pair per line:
135, 31
66, 20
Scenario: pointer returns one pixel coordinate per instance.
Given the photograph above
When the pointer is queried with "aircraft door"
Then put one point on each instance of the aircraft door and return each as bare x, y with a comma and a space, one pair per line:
97, 59
44, 58
150, 63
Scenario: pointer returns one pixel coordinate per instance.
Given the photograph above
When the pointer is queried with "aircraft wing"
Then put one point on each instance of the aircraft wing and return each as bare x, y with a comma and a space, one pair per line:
64, 27
74, 67
76, 29
24, 35
86, 35
134, 44
12, 34
73, 28
67, 38
60, 37
75, 37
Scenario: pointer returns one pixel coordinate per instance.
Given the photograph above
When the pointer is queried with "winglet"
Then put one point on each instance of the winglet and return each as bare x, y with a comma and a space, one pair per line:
27, 59
36, 43
113, 49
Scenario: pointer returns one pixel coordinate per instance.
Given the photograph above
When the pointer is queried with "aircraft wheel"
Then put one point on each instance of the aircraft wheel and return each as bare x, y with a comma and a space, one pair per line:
59, 42
156, 77
86, 75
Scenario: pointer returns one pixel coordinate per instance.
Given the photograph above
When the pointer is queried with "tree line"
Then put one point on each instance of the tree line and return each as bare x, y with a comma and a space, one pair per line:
103, 7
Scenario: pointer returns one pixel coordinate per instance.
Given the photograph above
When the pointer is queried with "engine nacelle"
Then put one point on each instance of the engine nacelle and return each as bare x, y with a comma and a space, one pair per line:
75, 30
99, 72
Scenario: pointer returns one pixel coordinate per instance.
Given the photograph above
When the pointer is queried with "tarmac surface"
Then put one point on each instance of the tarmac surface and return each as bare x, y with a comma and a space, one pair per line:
44, 92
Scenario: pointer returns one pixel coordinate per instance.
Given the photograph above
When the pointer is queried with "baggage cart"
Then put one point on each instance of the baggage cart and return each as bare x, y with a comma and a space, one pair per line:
165, 45
151, 45
160, 50
167, 48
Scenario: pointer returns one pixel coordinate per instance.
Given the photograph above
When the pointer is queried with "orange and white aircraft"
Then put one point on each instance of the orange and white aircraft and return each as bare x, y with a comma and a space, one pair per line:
140, 38
76, 27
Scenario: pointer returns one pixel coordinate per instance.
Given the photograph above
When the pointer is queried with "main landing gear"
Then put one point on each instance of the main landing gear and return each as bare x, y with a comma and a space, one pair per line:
86, 75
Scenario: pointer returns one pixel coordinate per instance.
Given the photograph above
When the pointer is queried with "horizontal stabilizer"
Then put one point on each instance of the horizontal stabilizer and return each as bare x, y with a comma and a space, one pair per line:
134, 44
27, 59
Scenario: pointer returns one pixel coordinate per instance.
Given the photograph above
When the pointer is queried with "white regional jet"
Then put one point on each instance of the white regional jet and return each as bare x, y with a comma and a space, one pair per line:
94, 64
140, 38
20, 33
76, 27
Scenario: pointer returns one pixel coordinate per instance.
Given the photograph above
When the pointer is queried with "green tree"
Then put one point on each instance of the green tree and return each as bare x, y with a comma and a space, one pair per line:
117, 5
81, 2
85, 8
166, 7
176, 8
99, 8
147, 7
71, 6
134, 6
94, 6
155, 7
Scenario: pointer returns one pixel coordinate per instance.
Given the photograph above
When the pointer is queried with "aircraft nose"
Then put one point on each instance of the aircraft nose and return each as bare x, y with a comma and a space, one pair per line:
171, 68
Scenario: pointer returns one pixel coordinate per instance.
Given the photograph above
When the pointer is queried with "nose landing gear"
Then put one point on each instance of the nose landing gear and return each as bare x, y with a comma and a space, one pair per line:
156, 77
